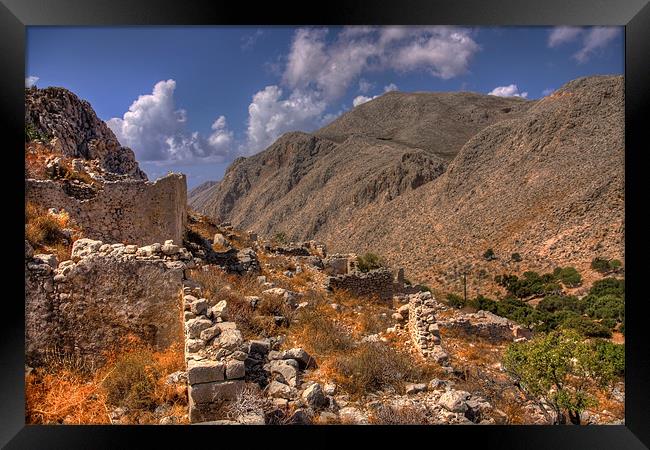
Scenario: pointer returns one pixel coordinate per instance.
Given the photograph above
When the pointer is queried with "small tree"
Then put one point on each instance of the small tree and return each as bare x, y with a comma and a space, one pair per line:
555, 370
455, 301
489, 255
516, 257
369, 261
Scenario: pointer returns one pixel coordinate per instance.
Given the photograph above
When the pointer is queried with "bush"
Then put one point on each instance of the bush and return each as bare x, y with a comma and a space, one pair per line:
489, 255
483, 303
553, 303
606, 307
132, 382
607, 286
516, 257
606, 266
555, 369
368, 262
375, 366
455, 301
320, 334
585, 326
280, 238
569, 276
611, 355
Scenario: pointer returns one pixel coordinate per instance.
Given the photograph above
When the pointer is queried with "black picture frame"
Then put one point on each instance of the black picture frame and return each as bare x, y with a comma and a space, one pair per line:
16, 15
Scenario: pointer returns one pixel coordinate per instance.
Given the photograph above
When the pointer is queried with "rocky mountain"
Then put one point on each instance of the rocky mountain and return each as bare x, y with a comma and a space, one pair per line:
75, 130
430, 181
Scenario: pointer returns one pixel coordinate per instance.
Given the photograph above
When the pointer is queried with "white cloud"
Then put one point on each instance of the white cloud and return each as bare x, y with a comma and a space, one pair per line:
508, 91
365, 86
596, 38
269, 116
319, 71
330, 66
31, 81
248, 41
547, 91
562, 35
156, 130
361, 99
390, 87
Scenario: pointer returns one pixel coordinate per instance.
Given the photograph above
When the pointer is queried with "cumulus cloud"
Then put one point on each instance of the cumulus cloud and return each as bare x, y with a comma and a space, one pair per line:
562, 35
269, 115
330, 66
31, 81
594, 39
365, 86
508, 91
361, 99
320, 68
156, 130
547, 91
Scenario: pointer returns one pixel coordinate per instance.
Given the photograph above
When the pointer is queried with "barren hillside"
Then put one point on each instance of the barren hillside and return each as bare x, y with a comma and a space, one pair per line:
430, 181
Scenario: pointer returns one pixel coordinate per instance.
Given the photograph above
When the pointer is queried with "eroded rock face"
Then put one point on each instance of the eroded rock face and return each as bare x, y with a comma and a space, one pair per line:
58, 113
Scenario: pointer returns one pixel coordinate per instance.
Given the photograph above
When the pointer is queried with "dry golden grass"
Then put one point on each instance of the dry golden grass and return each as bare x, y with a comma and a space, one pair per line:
66, 392
43, 231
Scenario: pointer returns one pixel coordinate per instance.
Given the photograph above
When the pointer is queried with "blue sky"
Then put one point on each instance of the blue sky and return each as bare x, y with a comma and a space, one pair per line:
191, 99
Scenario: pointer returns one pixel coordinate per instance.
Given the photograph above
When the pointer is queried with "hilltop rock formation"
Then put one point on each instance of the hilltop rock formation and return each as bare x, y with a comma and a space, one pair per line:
430, 181
59, 114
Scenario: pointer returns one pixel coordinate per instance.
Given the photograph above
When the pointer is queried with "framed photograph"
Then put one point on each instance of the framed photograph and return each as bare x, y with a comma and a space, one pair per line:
359, 218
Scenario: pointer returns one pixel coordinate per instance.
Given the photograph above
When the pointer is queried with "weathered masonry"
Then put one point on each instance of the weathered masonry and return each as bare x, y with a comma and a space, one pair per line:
129, 211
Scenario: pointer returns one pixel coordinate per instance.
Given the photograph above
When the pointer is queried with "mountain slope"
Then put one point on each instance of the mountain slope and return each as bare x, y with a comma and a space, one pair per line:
308, 184
544, 179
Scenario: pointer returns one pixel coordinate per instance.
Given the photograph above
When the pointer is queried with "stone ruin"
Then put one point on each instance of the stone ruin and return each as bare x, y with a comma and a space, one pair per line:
488, 326
381, 282
424, 331
131, 211
88, 304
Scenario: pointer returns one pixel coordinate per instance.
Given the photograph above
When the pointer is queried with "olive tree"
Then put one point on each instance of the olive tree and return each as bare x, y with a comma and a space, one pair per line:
555, 370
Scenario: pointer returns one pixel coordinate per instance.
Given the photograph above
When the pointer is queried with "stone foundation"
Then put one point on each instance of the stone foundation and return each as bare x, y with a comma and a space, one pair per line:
374, 283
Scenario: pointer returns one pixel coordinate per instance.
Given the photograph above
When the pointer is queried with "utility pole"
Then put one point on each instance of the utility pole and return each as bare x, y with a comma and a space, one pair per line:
465, 287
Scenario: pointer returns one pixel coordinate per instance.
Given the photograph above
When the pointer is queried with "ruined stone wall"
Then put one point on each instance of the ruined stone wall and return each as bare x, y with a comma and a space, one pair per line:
215, 352
423, 329
486, 325
376, 282
131, 212
91, 303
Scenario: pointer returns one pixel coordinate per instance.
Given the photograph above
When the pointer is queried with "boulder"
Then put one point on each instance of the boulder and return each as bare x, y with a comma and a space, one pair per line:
210, 333
276, 389
314, 396
353, 415
286, 370
219, 239
229, 339
199, 306
454, 401
415, 388
304, 359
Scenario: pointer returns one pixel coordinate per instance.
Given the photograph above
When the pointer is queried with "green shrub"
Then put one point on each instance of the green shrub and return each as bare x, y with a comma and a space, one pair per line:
516, 257
608, 306
369, 261
552, 303
489, 255
569, 276
554, 370
483, 303
280, 238
585, 326
606, 266
455, 301
606, 286
612, 355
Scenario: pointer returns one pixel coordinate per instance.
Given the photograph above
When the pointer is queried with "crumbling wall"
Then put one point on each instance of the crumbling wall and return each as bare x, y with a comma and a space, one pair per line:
215, 352
91, 303
131, 212
486, 325
377, 282
424, 331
